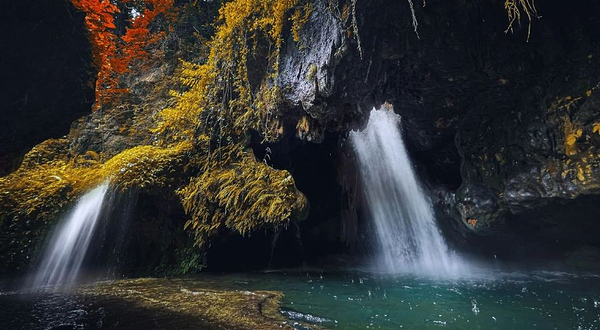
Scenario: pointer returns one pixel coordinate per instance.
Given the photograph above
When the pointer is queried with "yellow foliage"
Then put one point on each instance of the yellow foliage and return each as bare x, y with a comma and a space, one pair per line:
145, 166
219, 99
596, 128
581, 169
583, 159
573, 136
219, 107
580, 174
43, 176
48, 179
94, 155
572, 133
299, 19
241, 196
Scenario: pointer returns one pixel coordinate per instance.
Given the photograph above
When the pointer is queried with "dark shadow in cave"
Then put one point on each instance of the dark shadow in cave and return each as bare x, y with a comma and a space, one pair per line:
548, 235
314, 168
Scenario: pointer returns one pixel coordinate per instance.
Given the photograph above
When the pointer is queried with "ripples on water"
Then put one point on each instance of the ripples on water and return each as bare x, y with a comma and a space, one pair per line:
540, 300
509, 301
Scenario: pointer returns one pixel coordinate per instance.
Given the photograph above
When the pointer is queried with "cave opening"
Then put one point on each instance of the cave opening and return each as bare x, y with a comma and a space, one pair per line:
314, 167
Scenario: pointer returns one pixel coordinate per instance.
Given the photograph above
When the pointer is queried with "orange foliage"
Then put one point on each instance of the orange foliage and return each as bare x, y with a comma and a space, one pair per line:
138, 35
113, 55
99, 22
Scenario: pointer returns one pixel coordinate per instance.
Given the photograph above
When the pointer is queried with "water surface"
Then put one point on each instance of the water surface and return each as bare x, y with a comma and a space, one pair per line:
538, 300
347, 300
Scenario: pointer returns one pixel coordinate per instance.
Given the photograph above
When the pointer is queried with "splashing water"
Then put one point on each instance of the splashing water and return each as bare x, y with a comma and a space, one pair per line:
62, 259
407, 233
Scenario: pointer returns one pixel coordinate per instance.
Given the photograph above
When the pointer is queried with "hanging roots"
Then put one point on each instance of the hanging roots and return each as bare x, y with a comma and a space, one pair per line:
515, 8
414, 17
355, 28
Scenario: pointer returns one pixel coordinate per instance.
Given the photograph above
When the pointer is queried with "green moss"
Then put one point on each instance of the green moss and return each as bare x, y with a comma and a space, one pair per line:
188, 260
312, 72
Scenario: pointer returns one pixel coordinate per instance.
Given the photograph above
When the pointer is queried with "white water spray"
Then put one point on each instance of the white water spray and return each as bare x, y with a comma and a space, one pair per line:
68, 245
408, 236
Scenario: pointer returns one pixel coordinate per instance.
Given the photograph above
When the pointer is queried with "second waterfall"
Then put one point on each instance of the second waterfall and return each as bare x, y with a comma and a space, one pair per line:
408, 236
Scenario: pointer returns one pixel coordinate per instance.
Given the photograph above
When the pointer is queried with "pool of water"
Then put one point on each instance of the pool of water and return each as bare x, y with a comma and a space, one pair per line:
357, 300
542, 300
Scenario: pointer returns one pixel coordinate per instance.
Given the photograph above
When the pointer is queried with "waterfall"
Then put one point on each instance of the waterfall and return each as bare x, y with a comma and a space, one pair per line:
408, 236
68, 245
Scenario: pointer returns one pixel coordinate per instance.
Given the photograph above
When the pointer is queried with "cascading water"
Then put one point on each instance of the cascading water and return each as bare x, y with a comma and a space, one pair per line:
68, 245
408, 236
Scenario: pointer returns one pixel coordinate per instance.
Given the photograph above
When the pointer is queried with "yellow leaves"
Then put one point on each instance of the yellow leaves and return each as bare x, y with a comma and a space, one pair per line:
567, 102
580, 174
265, 15
299, 19
596, 128
176, 124
303, 126
573, 136
48, 180
94, 155
278, 13
572, 133
221, 87
145, 166
592, 89
241, 195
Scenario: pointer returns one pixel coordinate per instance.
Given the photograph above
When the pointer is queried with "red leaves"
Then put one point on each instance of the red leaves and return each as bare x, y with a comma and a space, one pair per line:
138, 36
113, 55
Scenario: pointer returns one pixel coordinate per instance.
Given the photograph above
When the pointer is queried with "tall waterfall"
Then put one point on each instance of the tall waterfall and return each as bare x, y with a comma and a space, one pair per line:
408, 236
68, 245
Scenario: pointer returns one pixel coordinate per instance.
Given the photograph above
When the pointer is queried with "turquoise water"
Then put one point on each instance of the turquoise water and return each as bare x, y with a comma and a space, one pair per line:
347, 300
539, 300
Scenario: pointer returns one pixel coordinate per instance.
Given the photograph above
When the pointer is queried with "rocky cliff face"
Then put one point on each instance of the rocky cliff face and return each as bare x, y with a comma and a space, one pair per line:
506, 130
508, 127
